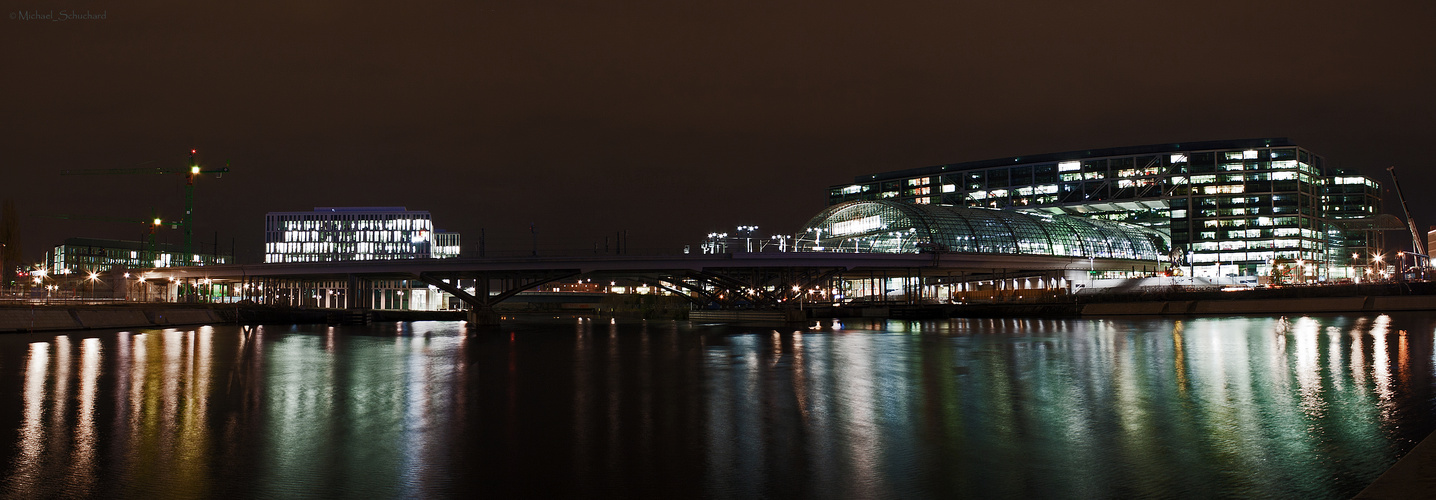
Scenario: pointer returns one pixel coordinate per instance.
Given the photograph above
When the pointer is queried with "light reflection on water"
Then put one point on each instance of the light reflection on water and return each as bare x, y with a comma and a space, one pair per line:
1247, 406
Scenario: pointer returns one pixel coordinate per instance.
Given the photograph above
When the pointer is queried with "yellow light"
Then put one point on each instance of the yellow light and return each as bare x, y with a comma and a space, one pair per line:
194, 170
158, 222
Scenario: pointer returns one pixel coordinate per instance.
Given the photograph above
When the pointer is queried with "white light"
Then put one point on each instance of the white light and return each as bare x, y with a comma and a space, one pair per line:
862, 225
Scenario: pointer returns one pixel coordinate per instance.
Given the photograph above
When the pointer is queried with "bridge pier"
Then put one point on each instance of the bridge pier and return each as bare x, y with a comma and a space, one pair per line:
791, 315
483, 317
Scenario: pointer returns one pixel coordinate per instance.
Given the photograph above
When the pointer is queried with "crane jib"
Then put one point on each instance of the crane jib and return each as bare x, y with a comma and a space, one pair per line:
1410, 222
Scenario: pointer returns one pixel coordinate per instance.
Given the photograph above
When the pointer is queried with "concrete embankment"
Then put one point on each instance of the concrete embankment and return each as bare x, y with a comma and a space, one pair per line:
1376, 304
50, 318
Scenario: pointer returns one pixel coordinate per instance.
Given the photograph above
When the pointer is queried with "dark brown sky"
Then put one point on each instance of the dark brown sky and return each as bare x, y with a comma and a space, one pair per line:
667, 119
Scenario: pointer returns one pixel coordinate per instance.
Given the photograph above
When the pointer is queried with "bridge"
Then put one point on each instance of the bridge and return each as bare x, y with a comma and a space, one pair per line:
756, 279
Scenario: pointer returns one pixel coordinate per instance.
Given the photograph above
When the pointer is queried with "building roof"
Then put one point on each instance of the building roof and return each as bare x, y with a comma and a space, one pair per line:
896, 227
1080, 155
119, 244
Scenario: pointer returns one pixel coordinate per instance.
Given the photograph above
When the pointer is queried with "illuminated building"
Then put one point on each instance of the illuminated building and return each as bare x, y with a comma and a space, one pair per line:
92, 254
1230, 208
895, 227
354, 233
446, 244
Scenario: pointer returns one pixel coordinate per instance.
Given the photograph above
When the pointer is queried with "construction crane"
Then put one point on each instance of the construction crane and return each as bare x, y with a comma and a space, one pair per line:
1410, 222
192, 171
154, 222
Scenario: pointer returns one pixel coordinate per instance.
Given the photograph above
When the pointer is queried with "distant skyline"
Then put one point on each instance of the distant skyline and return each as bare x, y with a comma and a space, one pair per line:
665, 120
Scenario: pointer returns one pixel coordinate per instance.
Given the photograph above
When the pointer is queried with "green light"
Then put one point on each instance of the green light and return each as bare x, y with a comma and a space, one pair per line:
194, 169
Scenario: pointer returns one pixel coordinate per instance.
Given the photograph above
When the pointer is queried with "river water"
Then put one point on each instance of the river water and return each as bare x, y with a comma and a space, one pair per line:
1310, 407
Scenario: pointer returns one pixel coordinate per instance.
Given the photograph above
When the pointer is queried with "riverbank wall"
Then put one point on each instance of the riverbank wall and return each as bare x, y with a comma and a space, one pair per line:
51, 318
1314, 305
45, 318
1165, 301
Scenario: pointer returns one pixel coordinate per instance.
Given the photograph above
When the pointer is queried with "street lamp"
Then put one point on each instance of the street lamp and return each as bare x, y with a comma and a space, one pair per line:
1091, 270
782, 241
748, 238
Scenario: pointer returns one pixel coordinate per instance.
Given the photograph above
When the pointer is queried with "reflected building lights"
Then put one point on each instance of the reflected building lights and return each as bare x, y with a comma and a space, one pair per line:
1179, 359
1308, 371
60, 397
83, 459
1381, 362
1333, 358
1007, 407
32, 428
860, 429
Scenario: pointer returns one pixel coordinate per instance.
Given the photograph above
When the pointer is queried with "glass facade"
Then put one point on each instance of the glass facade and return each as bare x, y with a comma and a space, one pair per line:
895, 227
446, 244
98, 255
353, 233
1231, 207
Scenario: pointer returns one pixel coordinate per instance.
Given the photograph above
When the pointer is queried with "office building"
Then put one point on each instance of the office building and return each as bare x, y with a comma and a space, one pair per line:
98, 255
354, 233
1230, 208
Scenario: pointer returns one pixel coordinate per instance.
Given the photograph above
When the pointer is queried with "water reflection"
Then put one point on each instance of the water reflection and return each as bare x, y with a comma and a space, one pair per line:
1304, 406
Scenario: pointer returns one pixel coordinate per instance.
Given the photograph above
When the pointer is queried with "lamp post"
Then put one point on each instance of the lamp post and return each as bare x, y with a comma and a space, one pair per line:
1401, 264
782, 241
748, 235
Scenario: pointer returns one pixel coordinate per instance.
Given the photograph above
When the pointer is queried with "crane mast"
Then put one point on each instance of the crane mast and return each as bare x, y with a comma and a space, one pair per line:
1410, 222
151, 252
190, 172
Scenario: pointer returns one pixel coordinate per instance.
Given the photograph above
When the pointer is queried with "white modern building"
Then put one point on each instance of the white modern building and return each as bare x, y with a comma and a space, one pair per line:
446, 244
355, 233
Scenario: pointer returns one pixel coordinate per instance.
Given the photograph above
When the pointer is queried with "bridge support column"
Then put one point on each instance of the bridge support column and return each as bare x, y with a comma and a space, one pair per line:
483, 317
791, 315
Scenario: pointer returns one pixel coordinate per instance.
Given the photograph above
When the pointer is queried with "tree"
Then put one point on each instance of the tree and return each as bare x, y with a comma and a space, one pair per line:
10, 236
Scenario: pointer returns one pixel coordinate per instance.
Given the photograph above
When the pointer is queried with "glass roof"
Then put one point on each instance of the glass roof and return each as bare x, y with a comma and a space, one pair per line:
896, 227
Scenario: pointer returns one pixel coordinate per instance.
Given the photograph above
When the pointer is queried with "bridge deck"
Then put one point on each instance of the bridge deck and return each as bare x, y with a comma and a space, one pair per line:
622, 264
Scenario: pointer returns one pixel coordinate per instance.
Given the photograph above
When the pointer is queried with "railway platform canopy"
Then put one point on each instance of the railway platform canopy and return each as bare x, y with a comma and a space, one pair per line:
896, 227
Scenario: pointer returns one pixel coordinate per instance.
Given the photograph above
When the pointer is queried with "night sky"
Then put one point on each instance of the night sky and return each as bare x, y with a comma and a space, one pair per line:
666, 119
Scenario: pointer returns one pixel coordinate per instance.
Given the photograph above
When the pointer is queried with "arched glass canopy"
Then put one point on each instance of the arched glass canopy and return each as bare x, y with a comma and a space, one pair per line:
895, 227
